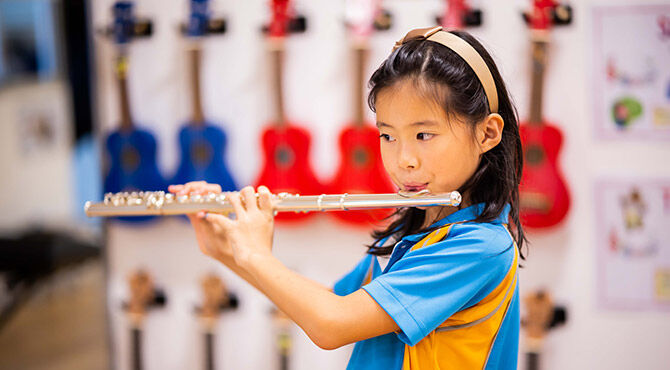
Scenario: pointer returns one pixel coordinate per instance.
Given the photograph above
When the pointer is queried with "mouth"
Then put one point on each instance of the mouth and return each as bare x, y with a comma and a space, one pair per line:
414, 187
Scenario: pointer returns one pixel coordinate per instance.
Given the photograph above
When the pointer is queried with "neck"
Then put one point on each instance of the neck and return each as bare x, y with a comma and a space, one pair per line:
434, 214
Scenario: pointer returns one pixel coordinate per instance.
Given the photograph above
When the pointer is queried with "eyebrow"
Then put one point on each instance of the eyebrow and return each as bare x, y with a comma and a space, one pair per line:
419, 123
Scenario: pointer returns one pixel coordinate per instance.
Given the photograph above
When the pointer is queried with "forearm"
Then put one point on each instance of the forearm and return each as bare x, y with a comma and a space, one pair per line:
229, 262
309, 304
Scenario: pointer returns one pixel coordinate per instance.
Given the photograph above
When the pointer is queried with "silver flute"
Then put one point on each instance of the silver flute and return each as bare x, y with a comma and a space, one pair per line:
159, 203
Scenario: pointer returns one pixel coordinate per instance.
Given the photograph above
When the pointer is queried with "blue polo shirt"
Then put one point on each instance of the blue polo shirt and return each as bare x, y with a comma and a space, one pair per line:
437, 285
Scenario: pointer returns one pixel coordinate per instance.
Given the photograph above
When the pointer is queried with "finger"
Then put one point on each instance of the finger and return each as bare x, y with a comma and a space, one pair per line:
220, 220
234, 199
175, 188
199, 187
189, 187
264, 198
248, 196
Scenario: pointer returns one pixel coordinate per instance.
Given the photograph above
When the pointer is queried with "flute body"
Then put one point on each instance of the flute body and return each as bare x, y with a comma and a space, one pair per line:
164, 204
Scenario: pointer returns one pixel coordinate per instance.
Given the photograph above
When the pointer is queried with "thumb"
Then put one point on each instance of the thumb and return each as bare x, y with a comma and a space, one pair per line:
220, 220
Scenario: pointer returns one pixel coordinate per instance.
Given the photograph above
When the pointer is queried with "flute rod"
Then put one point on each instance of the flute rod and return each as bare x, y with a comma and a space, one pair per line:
162, 204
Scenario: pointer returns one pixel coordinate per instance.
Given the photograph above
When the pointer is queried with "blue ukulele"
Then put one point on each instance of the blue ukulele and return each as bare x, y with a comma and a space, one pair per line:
202, 143
132, 151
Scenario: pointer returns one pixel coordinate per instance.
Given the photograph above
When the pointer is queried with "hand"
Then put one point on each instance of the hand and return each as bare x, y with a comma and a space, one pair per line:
220, 237
211, 238
250, 233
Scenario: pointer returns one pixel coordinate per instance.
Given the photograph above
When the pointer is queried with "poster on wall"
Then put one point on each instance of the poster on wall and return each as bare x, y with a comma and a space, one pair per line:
633, 244
631, 71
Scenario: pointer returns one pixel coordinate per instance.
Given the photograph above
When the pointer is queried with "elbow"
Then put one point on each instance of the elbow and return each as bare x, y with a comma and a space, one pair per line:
328, 336
327, 344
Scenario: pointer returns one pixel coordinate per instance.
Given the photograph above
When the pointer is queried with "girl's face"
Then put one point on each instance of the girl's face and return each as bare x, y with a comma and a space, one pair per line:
420, 146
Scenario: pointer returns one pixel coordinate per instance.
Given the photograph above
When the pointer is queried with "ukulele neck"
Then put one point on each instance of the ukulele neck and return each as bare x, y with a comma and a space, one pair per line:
277, 58
197, 115
124, 101
539, 46
360, 51
136, 334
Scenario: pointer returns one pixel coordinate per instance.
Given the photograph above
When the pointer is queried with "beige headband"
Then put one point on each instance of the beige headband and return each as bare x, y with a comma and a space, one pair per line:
465, 51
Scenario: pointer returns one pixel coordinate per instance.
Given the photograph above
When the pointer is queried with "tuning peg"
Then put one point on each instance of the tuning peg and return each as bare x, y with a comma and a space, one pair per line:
559, 317
160, 299
473, 18
562, 15
297, 24
383, 20
232, 303
143, 28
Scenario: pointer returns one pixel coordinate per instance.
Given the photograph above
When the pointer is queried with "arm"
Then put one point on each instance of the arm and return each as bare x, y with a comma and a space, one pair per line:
330, 321
245, 246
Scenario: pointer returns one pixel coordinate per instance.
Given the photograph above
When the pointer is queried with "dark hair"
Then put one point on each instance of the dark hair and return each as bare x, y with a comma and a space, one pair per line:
444, 76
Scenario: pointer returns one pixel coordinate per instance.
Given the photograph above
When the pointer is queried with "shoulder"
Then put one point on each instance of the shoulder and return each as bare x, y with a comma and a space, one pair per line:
485, 238
469, 240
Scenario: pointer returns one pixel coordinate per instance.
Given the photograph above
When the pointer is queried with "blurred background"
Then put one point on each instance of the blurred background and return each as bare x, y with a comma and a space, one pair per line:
100, 96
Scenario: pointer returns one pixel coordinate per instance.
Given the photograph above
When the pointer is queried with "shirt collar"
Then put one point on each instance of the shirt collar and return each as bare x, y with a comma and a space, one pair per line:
463, 215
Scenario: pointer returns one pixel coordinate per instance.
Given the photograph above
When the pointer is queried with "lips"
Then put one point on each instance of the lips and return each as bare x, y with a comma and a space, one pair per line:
414, 187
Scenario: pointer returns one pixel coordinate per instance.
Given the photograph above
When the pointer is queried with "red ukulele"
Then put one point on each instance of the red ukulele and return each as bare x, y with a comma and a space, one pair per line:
361, 169
286, 165
544, 197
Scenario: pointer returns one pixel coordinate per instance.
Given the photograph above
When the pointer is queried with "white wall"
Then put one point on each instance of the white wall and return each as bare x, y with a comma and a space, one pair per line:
235, 92
27, 159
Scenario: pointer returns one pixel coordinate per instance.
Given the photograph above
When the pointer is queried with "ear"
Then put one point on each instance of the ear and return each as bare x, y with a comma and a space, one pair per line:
489, 132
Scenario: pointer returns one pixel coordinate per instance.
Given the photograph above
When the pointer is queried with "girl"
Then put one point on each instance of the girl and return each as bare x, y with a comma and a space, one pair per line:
438, 287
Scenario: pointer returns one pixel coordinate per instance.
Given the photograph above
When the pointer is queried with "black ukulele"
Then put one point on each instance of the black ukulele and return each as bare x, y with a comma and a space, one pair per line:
541, 316
216, 298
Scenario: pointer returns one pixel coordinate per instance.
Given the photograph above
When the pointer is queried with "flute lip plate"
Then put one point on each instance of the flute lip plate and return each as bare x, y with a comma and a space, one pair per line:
408, 194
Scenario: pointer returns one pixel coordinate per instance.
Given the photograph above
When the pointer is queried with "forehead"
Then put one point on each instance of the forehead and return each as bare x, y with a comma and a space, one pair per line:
406, 103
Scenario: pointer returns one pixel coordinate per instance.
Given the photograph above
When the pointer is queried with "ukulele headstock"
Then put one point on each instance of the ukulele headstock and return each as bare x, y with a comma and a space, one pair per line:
363, 17
459, 14
143, 295
215, 299
200, 23
283, 20
547, 13
125, 26
541, 316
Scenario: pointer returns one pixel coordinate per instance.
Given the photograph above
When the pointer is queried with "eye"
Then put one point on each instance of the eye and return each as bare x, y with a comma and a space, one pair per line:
386, 137
424, 136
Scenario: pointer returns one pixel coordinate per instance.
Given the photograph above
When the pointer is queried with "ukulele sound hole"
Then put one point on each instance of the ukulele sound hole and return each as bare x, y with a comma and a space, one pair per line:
534, 155
130, 159
201, 154
360, 157
284, 157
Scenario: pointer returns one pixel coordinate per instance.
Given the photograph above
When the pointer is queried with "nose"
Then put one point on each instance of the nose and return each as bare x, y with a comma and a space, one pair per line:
408, 158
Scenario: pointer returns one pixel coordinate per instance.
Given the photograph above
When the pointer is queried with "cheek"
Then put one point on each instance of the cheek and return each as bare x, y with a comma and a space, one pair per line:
457, 163
388, 158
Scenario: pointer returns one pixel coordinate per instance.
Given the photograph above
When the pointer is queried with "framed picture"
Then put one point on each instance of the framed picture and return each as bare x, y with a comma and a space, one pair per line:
631, 71
633, 244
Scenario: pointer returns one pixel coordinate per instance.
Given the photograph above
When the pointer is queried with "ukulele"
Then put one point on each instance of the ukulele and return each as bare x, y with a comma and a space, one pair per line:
543, 196
202, 143
142, 296
361, 170
216, 298
541, 315
286, 166
282, 325
458, 15
132, 150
